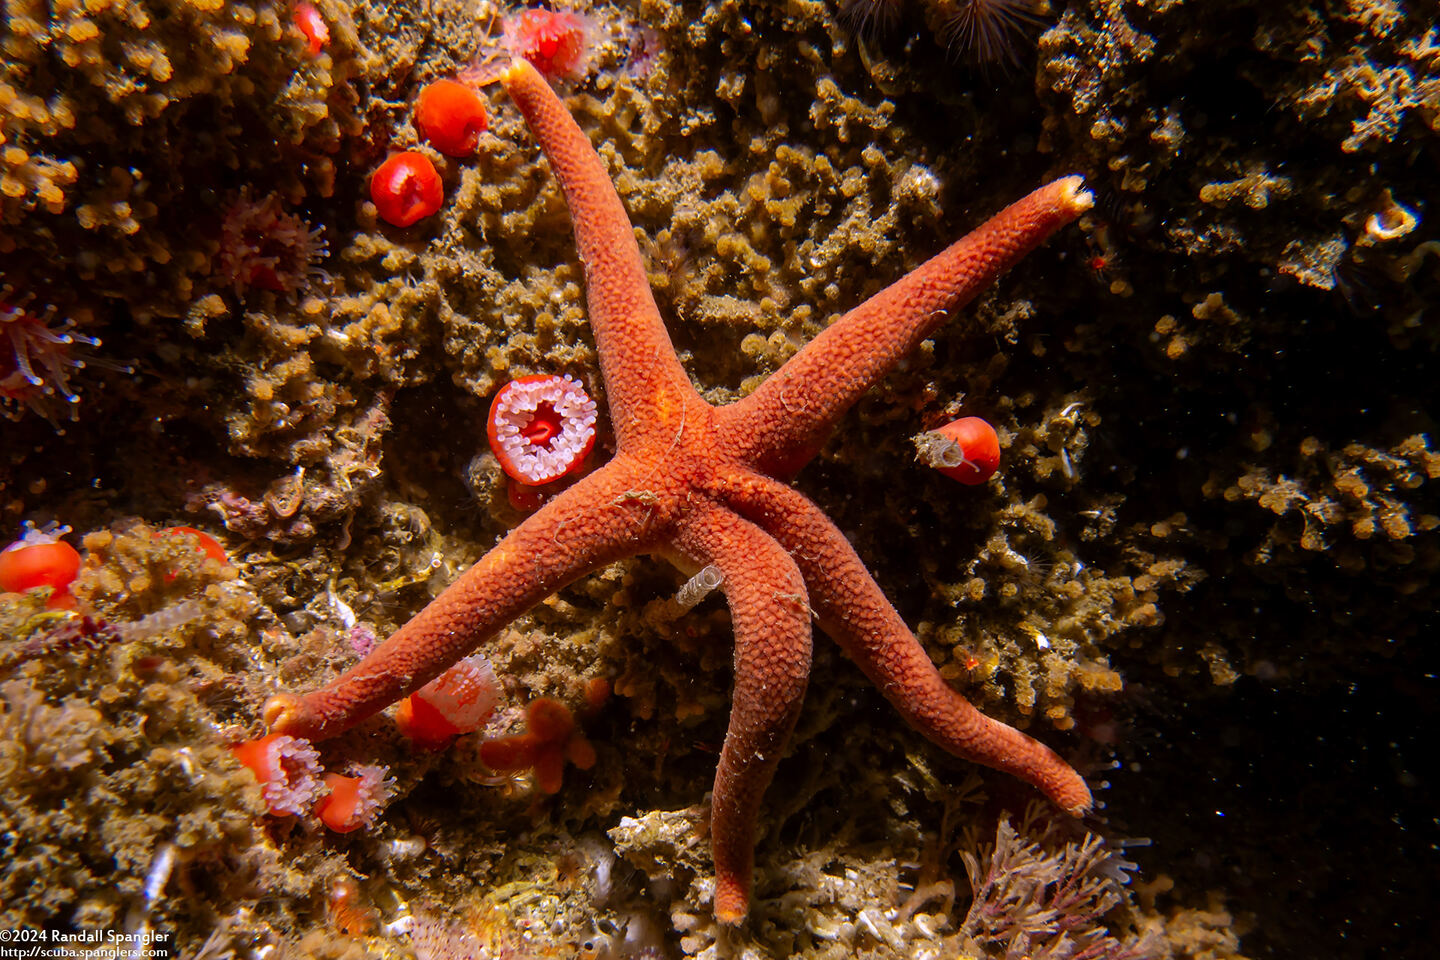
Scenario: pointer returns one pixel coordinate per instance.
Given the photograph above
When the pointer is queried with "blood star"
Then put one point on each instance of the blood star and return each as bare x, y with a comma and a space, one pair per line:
705, 485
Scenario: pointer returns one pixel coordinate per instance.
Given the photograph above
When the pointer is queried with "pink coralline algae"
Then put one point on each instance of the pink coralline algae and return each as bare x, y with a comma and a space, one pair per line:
36, 361
265, 247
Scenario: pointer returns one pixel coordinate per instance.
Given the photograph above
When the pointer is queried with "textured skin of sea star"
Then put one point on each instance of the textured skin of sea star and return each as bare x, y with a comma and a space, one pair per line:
708, 485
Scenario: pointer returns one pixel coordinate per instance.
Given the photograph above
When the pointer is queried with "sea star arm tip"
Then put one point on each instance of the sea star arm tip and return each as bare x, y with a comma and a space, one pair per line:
583, 528
786, 419
1072, 194
516, 71
771, 617
285, 713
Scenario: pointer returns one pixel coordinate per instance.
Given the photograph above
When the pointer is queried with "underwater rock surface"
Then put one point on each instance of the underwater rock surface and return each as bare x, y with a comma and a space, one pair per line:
1204, 572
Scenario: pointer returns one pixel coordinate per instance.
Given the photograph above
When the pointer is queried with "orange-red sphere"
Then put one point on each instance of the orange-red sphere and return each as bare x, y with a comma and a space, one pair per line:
980, 446
406, 189
24, 566
451, 116
205, 544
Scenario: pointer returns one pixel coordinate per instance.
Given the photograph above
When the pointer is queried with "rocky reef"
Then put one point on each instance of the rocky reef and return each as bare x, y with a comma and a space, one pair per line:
1216, 513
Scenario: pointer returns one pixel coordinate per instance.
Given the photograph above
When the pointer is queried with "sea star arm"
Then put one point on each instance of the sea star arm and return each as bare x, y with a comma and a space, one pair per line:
637, 359
771, 620
853, 610
788, 416
587, 526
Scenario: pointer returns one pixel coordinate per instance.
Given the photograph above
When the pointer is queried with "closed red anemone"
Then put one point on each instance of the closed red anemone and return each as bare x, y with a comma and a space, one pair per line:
967, 450
406, 189
206, 544
451, 116
40, 560
339, 808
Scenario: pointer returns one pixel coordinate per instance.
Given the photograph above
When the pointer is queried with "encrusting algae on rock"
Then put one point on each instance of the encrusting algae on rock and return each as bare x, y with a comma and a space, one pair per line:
108, 754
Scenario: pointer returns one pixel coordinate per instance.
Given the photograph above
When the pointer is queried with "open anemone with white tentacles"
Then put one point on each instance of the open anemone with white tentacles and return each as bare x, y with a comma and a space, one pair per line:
542, 428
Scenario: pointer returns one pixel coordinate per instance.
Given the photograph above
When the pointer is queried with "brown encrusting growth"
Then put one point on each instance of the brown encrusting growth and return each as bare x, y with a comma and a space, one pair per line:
707, 484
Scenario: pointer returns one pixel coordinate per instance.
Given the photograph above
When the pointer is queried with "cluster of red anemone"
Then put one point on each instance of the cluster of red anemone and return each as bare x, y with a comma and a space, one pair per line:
450, 115
458, 701
41, 558
407, 188
292, 783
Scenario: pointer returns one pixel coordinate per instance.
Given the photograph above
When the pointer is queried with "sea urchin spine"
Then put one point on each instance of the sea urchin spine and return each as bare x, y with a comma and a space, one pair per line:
989, 31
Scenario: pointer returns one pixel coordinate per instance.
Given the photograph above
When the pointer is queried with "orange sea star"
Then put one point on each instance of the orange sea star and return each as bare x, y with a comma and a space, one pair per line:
708, 485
